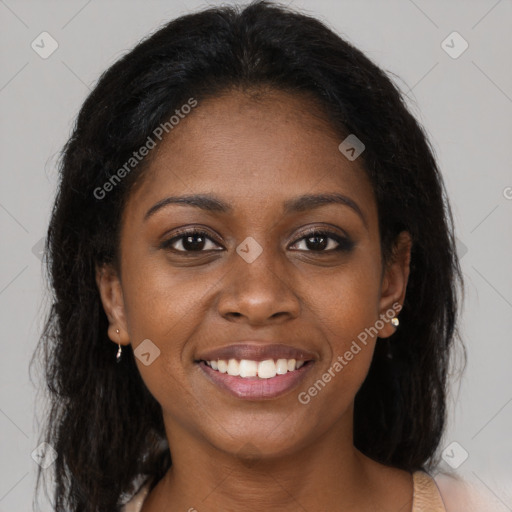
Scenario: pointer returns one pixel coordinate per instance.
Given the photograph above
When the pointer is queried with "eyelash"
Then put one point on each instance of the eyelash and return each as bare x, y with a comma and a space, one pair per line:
344, 244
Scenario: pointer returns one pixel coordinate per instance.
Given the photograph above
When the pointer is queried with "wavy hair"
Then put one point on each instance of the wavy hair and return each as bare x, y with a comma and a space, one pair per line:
102, 421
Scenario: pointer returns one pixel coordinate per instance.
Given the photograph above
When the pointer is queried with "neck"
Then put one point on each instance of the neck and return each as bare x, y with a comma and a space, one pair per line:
327, 474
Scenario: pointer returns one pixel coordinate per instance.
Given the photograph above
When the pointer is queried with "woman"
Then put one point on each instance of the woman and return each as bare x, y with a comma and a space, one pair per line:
255, 279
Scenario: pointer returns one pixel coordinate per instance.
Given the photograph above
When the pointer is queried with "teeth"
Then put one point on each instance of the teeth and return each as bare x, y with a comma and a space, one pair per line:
233, 367
248, 368
281, 366
267, 369
263, 369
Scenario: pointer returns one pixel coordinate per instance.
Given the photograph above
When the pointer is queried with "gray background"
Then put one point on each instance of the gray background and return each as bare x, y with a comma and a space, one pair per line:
465, 104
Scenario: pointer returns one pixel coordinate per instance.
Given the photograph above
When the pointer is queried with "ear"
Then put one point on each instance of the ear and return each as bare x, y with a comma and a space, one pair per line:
111, 293
394, 282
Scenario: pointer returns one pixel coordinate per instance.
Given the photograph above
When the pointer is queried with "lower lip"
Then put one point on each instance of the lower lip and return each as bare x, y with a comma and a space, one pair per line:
254, 388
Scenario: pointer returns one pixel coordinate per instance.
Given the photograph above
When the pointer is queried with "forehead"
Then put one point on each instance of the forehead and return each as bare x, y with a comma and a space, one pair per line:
264, 147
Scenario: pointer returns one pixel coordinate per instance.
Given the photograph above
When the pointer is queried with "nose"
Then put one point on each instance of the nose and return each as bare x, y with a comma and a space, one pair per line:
259, 292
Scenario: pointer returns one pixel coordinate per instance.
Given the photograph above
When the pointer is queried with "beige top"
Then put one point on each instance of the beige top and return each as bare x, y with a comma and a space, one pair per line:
426, 496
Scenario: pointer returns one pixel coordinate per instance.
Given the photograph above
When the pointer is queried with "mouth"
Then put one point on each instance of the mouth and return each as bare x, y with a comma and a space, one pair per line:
256, 372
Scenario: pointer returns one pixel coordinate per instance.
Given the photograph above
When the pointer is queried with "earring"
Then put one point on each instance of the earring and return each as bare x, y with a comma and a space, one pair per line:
119, 351
395, 321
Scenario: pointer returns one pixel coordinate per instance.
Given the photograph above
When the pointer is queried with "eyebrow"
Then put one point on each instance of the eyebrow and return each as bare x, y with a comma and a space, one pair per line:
310, 201
210, 203
205, 202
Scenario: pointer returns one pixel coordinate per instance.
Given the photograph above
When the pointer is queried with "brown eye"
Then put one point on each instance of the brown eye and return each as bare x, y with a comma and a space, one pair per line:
191, 241
324, 241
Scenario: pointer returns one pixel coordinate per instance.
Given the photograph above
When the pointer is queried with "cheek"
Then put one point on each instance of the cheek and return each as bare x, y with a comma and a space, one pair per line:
345, 309
164, 307
163, 303
346, 302
341, 373
161, 310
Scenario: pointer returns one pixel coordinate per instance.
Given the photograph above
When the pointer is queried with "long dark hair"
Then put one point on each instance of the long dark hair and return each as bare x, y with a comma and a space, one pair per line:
103, 423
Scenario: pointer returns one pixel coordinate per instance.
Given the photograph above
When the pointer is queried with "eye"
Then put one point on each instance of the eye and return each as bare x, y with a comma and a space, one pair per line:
193, 240
324, 241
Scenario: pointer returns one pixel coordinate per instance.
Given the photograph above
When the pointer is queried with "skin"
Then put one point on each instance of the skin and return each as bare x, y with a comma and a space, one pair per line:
230, 454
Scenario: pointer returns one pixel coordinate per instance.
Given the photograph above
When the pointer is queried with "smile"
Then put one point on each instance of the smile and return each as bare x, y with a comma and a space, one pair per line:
256, 380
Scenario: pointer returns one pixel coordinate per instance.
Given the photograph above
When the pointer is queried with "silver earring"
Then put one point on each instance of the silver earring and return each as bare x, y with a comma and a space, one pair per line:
395, 321
119, 351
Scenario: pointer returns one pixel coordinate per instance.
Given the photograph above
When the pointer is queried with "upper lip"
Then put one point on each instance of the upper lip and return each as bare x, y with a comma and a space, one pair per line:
257, 351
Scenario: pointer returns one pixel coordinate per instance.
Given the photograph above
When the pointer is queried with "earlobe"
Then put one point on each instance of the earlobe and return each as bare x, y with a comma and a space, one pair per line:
394, 283
109, 287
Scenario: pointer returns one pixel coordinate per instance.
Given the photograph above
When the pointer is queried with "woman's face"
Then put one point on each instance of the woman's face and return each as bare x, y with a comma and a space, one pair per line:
257, 285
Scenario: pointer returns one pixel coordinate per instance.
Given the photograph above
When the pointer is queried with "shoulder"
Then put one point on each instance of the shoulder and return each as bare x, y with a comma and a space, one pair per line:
462, 495
135, 502
426, 494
